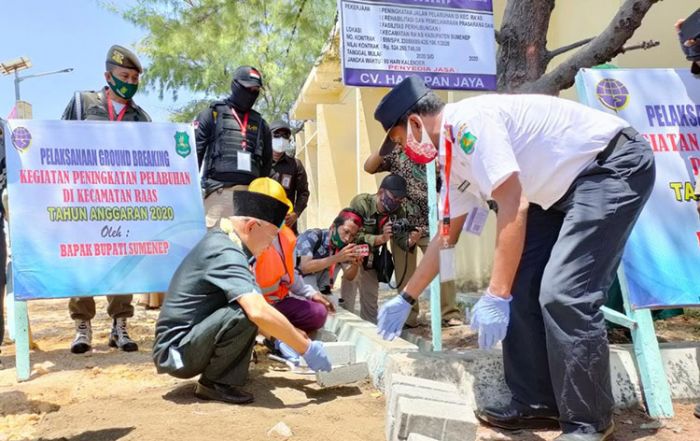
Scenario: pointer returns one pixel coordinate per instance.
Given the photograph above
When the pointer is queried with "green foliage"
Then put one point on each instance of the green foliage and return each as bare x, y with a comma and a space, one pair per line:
197, 45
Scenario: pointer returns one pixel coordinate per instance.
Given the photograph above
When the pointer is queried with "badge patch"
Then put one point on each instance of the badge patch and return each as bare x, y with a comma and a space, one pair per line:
117, 57
467, 141
182, 144
286, 181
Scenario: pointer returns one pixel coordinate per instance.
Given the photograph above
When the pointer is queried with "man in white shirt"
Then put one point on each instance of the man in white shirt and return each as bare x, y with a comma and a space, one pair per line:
569, 182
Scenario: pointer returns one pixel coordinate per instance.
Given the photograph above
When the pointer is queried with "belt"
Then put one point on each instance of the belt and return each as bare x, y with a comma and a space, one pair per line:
619, 139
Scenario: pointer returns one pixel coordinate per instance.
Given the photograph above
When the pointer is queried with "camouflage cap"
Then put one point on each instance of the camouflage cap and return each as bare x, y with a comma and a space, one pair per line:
121, 56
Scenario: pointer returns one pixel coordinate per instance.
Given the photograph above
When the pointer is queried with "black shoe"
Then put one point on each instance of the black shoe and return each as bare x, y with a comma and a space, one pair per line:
510, 418
580, 436
119, 337
697, 411
207, 390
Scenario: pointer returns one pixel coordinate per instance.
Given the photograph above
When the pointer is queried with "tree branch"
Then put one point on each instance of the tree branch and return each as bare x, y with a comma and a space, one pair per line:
600, 50
643, 45
567, 48
497, 35
294, 29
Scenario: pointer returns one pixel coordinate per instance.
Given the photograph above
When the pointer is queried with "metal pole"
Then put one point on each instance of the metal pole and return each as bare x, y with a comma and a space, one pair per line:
17, 80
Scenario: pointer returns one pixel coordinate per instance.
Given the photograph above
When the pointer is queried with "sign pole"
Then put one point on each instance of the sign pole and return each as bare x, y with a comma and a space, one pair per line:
21, 328
435, 307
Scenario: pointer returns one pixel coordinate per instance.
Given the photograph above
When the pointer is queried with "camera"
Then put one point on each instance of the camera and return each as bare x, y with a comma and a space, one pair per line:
400, 226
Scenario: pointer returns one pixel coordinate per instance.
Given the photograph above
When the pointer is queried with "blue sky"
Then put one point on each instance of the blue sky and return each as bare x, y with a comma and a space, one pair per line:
61, 34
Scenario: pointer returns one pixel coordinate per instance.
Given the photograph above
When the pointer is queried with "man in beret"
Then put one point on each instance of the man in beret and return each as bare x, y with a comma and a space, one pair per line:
214, 308
234, 144
112, 103
289, 171
570, 182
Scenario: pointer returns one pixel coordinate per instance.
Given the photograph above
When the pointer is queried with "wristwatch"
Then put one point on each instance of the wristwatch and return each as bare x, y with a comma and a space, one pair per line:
404, 295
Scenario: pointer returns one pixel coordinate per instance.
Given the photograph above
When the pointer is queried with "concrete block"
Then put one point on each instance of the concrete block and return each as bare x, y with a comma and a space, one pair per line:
419, 437
422, 382
325, 336
441, 421
369, 347
340, 353
343, 375
400, 391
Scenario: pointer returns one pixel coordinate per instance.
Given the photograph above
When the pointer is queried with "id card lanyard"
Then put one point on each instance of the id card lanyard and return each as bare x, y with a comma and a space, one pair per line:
110, 108
244, 127
447, 251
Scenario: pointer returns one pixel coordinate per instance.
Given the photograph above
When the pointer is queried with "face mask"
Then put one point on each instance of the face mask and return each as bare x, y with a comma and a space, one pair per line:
336, 241
280, 145
122, 89
241, 97
420, 152
390, 204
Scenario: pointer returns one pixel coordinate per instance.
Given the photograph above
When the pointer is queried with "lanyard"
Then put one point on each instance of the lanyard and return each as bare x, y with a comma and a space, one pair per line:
243, 125
110, 108
445, 227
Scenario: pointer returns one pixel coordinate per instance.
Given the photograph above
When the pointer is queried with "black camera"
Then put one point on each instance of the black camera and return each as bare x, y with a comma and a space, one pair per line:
401, 226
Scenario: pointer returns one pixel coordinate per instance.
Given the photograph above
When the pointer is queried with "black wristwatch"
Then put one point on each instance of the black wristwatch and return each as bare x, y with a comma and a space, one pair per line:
404, 295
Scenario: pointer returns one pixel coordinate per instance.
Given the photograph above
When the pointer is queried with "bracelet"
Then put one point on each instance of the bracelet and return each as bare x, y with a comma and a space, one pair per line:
404, 295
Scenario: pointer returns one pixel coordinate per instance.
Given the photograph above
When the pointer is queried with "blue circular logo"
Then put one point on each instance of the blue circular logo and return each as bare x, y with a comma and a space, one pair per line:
21, 138
612, 94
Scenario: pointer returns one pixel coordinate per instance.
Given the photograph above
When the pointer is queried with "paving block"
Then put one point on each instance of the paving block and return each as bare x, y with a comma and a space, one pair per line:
448, 394
343, 375
419, 437
442, 421
325, 336
397, 379
340, 353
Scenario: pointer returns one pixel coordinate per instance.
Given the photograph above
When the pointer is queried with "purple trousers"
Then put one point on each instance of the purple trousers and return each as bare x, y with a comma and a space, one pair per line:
303, 314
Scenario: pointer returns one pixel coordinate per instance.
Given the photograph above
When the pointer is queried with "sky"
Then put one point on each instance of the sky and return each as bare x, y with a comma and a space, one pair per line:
62, 34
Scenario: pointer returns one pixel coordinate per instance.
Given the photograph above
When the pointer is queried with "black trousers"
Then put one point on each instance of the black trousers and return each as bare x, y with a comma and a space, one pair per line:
556, 350
218, 348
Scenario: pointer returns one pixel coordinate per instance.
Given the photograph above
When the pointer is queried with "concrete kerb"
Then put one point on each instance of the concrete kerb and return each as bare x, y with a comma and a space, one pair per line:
479, 376
369, 347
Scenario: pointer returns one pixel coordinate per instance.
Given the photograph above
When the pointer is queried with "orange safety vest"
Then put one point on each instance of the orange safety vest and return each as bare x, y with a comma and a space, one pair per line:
270, 267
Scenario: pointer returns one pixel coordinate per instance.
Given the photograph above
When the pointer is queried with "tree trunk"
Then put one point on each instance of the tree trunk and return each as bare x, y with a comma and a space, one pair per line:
522, 54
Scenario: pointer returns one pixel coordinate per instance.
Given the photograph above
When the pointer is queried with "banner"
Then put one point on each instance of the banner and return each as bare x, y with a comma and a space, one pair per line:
663, 253
100, 208
449, 43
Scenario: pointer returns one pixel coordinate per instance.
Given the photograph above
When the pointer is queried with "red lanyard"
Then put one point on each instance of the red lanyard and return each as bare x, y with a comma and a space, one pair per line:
445, 227
110, 108
243, 125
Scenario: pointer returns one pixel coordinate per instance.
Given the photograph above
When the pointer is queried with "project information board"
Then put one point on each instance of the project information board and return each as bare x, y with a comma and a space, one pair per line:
98, 207
449, 43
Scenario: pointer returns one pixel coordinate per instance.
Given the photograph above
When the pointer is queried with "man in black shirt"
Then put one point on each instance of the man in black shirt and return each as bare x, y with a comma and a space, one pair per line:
234, 144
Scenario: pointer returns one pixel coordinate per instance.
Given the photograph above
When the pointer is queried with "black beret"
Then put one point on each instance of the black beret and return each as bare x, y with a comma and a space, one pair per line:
259, 206
123, 57
400, 99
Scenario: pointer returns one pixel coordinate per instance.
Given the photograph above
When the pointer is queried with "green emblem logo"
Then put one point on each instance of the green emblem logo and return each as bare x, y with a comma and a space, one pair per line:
182, 144
467, 142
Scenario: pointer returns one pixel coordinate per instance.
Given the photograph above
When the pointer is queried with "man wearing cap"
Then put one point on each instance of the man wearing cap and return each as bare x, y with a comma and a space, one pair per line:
289, 172
570, 182
399, 163
214, 309
378, 212
234, 144
113, 103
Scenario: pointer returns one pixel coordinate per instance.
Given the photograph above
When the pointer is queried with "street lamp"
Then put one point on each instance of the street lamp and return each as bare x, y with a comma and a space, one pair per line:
21, 63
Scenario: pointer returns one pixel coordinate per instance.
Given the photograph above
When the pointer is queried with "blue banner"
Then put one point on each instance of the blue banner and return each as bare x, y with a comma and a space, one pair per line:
100, 208
662, 255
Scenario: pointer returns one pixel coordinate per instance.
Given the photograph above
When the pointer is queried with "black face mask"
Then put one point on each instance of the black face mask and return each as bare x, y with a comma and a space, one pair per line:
241, 97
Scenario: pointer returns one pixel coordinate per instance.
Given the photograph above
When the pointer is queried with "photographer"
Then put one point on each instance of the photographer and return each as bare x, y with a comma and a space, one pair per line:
379, 211
399, 163
320, 252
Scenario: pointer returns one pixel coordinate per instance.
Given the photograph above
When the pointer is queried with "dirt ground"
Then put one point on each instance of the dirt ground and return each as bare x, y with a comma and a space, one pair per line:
109, 395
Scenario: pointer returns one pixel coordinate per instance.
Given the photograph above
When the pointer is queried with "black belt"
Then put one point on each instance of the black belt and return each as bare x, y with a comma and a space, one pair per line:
619, 139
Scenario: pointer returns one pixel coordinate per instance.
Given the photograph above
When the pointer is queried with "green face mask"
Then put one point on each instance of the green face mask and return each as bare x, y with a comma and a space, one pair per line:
336, 240
122, 89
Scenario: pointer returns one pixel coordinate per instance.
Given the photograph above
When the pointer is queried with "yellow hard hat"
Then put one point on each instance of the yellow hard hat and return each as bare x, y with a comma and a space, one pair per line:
272, 188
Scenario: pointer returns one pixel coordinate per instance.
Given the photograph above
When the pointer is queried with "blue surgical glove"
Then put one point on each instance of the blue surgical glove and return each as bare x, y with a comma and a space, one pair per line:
317, 358
490, 318
392, 316
287, 352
